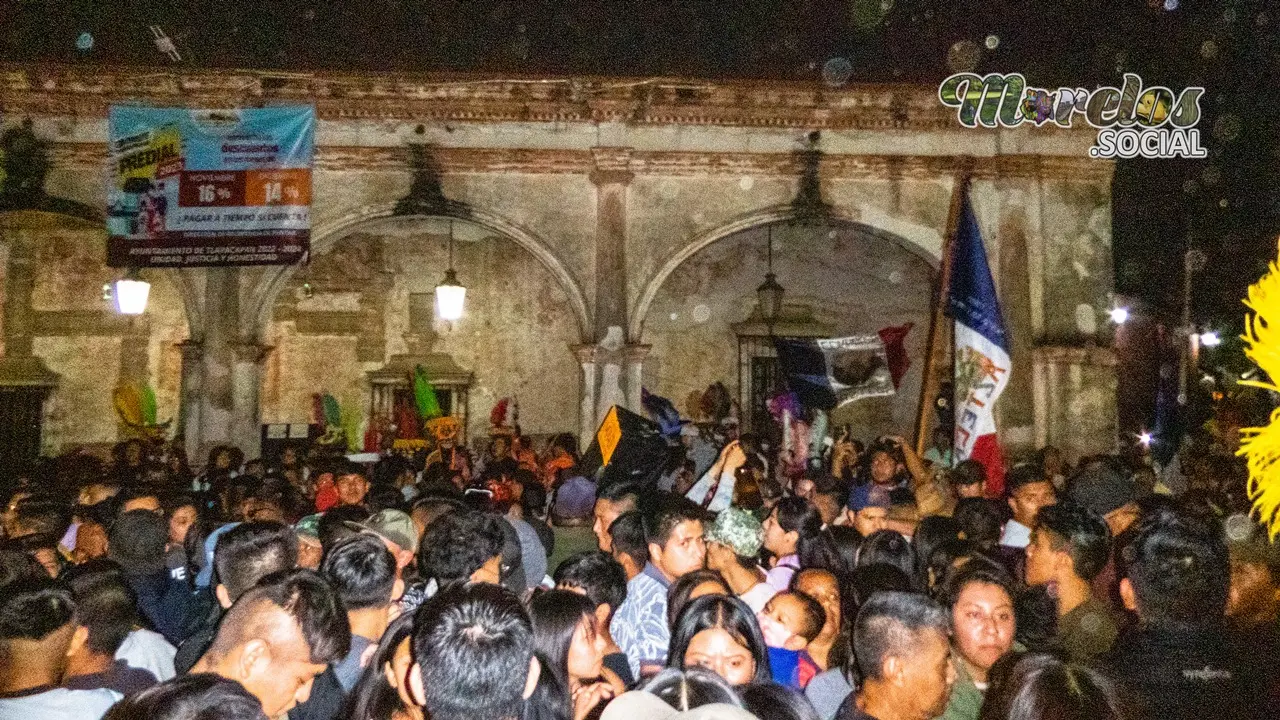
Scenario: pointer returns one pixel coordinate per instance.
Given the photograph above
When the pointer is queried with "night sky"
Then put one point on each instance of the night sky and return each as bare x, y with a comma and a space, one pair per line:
1227, 205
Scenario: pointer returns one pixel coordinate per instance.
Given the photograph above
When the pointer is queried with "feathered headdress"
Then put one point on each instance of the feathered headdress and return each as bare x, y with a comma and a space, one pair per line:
424, 395
326, 413
1261, 446
136, 405
501, 418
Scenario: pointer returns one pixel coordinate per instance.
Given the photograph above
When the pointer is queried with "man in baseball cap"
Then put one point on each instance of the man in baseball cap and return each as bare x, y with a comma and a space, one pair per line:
733, 541
397, 532
868, 508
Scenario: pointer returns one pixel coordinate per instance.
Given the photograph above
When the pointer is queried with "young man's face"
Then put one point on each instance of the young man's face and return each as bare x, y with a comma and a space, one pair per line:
284, 682
1042, 559
883, 468
1027, 500
351, 489
869, 519
685, 551
605, 512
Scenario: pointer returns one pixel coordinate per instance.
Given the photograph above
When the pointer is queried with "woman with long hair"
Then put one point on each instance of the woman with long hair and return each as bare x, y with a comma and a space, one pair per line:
571, 648
721, 634
983, 627
382, 692
1039, 685
791, 526
690, 587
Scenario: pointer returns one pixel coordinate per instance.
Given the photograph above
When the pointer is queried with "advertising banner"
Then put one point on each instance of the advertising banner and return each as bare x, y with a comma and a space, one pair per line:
191, 188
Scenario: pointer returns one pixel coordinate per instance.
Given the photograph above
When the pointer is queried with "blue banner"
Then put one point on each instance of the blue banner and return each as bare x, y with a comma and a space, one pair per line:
195, 188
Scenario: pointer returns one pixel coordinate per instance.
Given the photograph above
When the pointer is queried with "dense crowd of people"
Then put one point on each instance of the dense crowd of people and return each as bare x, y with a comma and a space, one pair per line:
878, 584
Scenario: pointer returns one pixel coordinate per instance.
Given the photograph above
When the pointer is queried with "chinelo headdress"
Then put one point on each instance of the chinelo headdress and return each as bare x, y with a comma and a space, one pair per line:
1261, 445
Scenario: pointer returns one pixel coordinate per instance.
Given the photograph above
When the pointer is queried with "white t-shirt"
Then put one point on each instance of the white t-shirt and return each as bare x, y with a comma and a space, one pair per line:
60, 704
758, 596
148, 651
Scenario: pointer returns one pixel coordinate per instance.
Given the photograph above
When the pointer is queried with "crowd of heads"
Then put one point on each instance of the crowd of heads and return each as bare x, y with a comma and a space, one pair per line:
879, 584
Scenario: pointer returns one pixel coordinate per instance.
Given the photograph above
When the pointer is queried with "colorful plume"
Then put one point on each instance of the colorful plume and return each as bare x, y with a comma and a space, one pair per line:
136, 404
424, 395
1261, 446
498, 416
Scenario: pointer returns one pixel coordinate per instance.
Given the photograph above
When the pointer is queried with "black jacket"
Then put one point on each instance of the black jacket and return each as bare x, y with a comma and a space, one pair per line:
1179, 674
168, 605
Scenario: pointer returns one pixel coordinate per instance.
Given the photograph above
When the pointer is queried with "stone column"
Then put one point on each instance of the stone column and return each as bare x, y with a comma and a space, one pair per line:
246, 381
611, 176
635, 355
586, 355
192, 387
217, 399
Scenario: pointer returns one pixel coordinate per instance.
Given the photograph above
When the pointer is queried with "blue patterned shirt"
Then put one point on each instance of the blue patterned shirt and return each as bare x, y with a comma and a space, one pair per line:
640, 624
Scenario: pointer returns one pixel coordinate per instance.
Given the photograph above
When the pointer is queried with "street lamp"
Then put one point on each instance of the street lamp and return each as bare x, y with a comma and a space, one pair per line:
130, 293
1119, 315
1210, 339
769, 294
451, 296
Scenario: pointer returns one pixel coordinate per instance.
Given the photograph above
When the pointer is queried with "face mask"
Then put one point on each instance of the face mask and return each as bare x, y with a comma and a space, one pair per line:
775, 633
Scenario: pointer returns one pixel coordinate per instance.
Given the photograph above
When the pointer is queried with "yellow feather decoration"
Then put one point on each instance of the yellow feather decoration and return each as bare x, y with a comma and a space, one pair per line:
1261, 445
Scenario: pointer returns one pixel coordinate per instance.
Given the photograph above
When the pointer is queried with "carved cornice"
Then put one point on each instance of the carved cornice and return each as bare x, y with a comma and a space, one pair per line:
611, 166
85, 91
454, 161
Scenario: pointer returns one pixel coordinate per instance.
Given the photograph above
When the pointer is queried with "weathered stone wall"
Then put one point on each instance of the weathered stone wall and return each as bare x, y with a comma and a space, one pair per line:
584, 204
79, 336
851, 280
516, 334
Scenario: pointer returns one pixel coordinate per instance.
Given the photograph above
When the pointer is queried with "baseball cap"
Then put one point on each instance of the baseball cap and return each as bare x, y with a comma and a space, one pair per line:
394, 526
739, 530
869, 495
1101, 488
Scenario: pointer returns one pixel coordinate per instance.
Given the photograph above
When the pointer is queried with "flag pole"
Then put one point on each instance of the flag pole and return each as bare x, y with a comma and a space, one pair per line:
939, 335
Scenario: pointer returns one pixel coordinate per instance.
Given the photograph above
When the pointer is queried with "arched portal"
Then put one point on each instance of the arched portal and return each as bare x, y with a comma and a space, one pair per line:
365, 304
841, 278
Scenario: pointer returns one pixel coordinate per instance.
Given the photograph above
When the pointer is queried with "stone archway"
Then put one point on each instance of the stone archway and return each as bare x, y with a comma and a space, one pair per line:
365, 304
841, 278
327, 235
919, 240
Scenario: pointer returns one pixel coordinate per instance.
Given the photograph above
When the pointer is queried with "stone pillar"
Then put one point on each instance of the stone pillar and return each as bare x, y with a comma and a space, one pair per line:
217, 399
635, 355
246, 381
586, 355
611, 176
192, 387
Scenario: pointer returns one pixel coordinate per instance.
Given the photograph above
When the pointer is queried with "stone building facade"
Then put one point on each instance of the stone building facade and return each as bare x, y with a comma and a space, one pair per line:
577, 207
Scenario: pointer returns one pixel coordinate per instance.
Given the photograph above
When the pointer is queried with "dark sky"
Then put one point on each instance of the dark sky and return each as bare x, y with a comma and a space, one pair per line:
1228, 205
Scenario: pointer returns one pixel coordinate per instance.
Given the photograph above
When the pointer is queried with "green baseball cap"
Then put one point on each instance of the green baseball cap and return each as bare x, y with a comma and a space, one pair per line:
739, 530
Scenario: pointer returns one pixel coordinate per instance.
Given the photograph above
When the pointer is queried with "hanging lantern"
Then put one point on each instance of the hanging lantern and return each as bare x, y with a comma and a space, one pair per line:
130, 294
769, 294
451, 296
